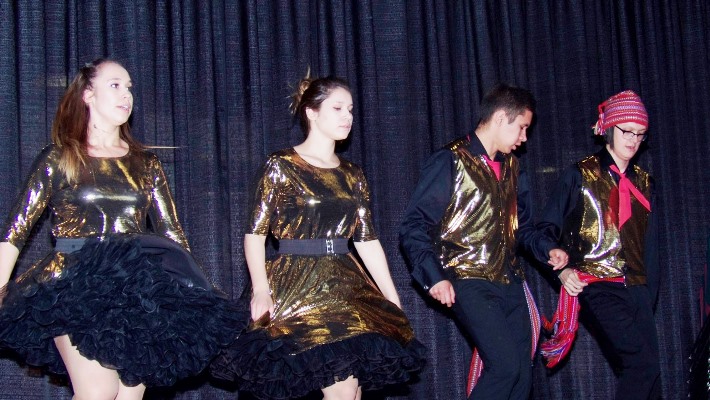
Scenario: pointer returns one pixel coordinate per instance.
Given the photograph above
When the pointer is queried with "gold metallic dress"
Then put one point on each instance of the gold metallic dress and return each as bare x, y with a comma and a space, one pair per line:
134, 301
330, 320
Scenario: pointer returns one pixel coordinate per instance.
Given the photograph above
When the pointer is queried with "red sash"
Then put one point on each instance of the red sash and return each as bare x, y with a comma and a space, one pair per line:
564, 323
477, 363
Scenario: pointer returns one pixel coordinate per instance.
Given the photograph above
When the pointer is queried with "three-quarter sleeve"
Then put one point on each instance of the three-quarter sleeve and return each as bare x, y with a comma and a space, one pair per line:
163, 212
33, 198
364, 228
266, 197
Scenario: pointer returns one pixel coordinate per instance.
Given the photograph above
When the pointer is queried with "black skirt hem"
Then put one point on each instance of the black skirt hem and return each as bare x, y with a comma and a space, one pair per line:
119, 306
272, 369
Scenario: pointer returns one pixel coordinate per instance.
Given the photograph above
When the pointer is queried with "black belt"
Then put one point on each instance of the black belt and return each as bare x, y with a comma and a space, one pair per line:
313, 247
69, 245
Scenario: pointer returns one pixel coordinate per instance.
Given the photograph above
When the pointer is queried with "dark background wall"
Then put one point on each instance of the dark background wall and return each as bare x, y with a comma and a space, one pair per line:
212, 78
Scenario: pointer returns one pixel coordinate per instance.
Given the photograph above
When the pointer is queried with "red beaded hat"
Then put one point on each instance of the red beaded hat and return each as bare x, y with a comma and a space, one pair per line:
620, 108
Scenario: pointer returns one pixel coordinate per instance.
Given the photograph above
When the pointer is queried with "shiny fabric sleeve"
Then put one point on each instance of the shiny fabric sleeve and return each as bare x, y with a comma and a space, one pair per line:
526, 235
426, 208
541, 238
163, 213
33, 199
364, 228
650, 251
561, 202
265, 198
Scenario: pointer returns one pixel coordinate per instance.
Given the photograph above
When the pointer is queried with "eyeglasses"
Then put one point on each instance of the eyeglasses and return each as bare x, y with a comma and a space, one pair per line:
639, 137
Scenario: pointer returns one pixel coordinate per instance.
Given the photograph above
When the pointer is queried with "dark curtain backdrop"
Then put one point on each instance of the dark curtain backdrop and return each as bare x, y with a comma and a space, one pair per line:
212, 78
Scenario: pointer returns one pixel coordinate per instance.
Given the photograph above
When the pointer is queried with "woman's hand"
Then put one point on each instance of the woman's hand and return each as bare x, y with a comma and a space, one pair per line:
8, 257
261, 303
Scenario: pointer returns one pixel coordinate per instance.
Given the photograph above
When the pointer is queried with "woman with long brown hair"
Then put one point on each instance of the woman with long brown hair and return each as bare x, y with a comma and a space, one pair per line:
117, 307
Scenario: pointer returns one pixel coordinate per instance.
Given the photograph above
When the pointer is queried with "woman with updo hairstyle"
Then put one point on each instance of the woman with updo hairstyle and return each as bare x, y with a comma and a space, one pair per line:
114, 305
318, 321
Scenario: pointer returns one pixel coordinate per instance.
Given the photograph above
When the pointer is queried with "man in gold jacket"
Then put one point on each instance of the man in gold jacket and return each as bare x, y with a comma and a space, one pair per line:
468, 214
603, 214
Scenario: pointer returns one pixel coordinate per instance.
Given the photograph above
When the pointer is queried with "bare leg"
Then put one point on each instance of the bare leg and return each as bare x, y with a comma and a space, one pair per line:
130, 392
348, 389
90, 380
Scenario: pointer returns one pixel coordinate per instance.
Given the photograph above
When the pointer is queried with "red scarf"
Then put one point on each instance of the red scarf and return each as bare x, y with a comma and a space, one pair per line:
626, 189
564, 323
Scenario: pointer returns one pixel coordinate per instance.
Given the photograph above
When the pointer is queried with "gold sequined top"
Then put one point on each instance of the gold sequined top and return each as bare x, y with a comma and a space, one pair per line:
591, 234
296, 200
325, 298
477, 231
112, 195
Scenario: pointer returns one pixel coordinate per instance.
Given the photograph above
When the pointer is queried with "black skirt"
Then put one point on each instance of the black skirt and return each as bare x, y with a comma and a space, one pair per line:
269, 368
136, 303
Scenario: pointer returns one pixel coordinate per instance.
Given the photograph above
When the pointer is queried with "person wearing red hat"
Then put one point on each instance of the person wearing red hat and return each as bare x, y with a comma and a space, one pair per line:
603, 214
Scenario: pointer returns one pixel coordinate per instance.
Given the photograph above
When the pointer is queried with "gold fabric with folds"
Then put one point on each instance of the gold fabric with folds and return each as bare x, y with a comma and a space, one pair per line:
112, 195
591, 234
477, 233
320, 299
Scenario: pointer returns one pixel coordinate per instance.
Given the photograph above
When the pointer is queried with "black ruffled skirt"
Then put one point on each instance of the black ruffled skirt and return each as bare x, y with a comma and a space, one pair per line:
138, 304
269, 368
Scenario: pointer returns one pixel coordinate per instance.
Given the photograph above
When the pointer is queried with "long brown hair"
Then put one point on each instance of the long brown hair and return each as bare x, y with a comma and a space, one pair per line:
71, 123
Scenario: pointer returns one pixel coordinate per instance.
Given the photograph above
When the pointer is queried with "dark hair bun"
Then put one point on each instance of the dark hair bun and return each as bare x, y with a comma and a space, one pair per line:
297, 95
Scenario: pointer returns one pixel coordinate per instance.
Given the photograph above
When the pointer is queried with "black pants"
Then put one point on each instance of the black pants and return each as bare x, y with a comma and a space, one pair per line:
624, 318
496, 317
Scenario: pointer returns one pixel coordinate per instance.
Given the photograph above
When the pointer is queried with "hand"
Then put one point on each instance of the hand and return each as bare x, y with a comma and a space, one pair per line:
444, 292
261, 303
558, 259
573, 285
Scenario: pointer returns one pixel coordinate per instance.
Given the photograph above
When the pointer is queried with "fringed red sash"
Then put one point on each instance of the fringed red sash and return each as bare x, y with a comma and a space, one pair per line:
564, 323
477, 363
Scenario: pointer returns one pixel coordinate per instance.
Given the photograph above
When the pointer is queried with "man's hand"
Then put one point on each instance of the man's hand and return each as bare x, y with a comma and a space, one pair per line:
444, 292
558, 259
573, 285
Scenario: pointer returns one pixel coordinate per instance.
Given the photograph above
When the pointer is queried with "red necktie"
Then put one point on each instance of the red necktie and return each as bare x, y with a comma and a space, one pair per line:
626, 188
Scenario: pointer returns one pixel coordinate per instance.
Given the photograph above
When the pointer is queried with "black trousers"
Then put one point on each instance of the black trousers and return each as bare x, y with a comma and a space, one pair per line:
624, 318
496, 318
